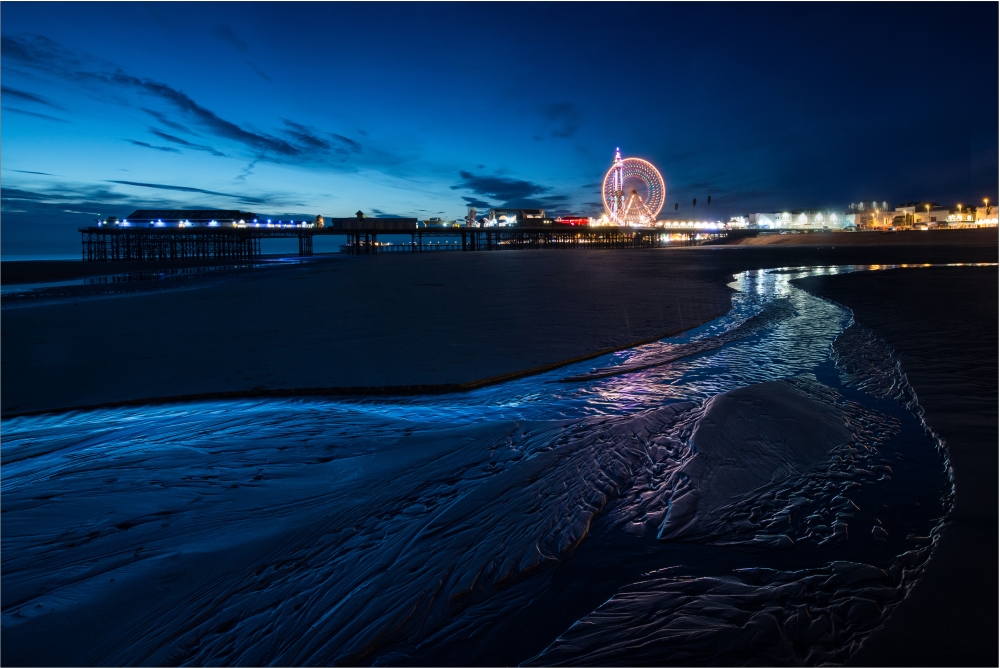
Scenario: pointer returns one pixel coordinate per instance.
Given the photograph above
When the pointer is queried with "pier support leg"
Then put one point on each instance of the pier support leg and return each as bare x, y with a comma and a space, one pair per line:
305, 245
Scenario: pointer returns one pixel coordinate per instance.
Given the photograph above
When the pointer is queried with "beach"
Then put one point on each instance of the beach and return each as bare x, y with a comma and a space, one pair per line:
883, 238
942, 323
523, 474
397, 324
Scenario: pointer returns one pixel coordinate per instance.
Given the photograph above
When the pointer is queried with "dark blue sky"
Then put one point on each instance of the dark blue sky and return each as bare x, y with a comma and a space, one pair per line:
421, 109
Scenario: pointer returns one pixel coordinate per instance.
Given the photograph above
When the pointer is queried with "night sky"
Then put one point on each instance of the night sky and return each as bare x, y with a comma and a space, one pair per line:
424, 109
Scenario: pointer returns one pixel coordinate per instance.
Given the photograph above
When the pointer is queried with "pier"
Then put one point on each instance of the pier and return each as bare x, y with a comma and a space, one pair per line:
243, 243
365, 241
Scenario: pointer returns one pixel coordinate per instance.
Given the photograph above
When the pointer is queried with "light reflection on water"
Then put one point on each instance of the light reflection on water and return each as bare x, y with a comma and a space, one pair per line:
371, 501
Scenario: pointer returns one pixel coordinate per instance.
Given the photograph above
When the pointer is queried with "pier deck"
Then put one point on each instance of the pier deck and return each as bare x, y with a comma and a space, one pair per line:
243, 243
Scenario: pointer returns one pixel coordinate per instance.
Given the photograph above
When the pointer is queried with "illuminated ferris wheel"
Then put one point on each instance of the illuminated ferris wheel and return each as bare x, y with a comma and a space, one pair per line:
633, 192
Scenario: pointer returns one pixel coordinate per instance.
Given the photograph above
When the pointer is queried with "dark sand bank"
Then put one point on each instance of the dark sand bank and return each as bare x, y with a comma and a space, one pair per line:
369, 322
943, 324
409, 322
43, 271
908, 237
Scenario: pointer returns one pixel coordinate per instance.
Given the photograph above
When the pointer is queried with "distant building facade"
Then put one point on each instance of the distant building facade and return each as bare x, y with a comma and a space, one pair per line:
986, 216
874, 216
811, 219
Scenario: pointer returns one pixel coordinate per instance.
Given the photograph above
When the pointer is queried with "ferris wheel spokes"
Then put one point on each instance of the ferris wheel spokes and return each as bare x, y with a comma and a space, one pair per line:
636, 209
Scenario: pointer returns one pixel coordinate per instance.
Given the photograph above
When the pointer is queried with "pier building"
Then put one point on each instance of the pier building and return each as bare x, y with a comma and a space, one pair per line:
515, 218
183, 218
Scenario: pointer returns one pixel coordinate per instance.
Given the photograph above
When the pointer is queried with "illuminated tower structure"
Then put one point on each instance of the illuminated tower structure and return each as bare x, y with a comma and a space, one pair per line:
646, 189
617, 188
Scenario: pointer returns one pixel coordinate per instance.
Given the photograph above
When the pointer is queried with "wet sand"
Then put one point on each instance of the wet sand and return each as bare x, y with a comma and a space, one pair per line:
39, 271
945, 316
264, 532
908, 237
943, 325
406, 323
388, 324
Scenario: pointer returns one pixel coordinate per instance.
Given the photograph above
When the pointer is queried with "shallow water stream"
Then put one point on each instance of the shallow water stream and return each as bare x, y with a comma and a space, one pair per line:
761, 489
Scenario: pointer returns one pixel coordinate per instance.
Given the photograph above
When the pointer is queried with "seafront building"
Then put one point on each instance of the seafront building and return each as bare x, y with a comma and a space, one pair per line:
811, 219
909, 215
986, 216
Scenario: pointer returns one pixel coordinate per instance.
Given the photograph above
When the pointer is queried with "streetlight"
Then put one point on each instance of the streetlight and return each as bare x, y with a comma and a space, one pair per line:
928, 207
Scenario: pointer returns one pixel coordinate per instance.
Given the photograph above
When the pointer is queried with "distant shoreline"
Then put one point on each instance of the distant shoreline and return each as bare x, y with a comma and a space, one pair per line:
19, 271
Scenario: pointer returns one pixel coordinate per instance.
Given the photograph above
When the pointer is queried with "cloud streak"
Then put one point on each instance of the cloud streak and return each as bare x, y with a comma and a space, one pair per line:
25, 96
229, 36
35, 114
143, 144
186, 144
564, 117
162, 118
187, 189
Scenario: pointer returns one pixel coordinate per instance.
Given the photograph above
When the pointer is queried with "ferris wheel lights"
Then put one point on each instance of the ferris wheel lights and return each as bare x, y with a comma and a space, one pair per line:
635, 208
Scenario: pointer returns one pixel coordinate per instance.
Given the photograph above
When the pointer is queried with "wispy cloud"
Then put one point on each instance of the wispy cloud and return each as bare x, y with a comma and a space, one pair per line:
187, 189
247, 171
143, 144
379, 213
295, 143
81, 197
233, 39
259, 71
305, 136
229, 36
25, 171
186, 144
163, 119
63, 193
25, 96
348, 143
563, 117
35, 114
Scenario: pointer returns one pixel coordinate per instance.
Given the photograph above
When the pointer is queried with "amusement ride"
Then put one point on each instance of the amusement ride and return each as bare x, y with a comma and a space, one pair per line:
633, 192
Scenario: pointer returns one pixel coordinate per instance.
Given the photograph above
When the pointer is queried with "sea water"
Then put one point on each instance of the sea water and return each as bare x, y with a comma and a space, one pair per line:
761, 489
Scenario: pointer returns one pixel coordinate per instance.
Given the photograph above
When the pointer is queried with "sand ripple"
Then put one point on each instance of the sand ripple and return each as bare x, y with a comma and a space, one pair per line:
392, 531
